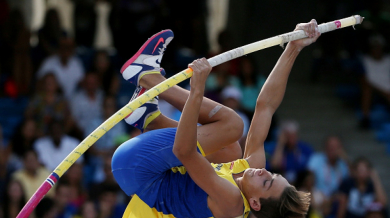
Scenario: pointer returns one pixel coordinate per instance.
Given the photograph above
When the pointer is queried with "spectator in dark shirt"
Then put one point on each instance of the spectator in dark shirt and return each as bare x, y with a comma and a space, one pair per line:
290, 154
103, 66
15, 53
49, 37
13, 200
49, 104
24, 138
360, 190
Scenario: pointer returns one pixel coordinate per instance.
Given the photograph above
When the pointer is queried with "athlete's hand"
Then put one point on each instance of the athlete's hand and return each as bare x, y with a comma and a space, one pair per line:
311, 31
201, 70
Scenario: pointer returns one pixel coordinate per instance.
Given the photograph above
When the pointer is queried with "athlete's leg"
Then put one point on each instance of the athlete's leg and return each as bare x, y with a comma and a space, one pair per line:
139, 164
221, 126
226, 154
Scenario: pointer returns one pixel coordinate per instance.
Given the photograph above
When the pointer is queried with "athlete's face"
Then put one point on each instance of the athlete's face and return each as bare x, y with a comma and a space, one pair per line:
260, 183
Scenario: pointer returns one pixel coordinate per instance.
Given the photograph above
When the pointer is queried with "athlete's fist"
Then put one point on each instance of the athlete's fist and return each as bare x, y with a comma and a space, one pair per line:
311, 31
201, 70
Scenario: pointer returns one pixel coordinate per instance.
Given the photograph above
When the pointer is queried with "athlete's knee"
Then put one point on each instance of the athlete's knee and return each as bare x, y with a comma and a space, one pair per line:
234, 125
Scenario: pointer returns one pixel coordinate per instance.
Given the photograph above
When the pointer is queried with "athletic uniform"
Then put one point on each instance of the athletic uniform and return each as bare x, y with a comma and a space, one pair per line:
146, 168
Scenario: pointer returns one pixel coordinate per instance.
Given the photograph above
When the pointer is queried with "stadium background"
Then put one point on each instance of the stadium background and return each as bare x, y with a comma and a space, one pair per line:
323, 96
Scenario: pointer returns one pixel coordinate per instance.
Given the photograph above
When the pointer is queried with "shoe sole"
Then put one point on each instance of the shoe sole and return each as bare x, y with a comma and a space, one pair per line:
132, 59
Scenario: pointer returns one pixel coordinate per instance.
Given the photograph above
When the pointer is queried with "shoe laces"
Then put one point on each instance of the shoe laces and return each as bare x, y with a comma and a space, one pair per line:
162, 50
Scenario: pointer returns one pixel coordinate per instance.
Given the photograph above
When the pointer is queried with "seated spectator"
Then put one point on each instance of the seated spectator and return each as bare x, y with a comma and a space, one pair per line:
67, 68
48, 37
225, 44
45, 208
48, 104
330, 167
250, 83
87, 103
85, 19
14, 200
360, 190
15, 50
103, 66
88, 210
53, 149
23, 138
290, 155
375, 210
376, 78
74, 178
21, 141
31, 175
218, 79
108, 180
108, 206
62, 201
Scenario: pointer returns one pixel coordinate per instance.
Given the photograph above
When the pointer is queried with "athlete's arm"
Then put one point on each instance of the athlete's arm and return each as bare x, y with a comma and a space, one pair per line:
271, 96
185, 145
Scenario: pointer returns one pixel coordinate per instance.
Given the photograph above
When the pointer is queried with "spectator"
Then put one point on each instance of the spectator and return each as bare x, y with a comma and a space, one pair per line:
88, 210
87, 103
217, 81
67, 68
377, 76
23, 138
45, 208
375, 210
48, 37
108, 180
62, 201
84, 23
103, 66
48, 104
16, 52
290, 154
330, 167
225, 44
31, 175
53, 149
14, 200
107, 203
360, 190
74, 178
250, 83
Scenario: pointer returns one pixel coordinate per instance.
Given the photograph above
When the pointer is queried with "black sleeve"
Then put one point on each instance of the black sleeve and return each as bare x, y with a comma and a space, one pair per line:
345, 186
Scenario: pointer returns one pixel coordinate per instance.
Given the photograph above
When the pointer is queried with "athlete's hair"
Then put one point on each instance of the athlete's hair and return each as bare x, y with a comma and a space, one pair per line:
291, 204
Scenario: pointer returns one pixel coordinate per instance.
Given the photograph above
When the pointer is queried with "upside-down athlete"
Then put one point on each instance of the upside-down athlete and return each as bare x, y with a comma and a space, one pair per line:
169, 169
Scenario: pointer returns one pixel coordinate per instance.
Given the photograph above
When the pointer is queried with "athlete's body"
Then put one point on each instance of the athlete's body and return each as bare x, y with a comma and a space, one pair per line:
219, 196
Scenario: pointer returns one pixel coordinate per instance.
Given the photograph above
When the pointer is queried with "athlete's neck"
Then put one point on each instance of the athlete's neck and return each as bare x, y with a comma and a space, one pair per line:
238, 181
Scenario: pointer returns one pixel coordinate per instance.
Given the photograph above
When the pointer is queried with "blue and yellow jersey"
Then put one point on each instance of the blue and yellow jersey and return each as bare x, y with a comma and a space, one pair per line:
175, 195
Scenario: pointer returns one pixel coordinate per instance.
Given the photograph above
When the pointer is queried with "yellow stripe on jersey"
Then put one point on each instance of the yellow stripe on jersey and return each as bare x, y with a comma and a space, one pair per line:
139, 209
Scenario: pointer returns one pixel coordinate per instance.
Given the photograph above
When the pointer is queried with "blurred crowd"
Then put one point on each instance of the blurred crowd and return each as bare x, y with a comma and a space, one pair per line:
57, 87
